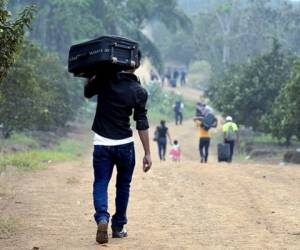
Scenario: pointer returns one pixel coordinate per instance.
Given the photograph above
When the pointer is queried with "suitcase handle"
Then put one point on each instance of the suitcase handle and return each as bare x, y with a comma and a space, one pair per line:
115, 59
122, 46
82, 55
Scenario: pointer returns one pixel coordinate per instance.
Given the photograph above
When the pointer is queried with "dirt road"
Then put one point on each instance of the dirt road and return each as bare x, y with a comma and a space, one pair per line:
188, 93
175, 206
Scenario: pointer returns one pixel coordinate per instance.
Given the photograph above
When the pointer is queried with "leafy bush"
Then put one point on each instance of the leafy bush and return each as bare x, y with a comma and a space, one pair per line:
11, 35
38, 93
247, 92
284, 119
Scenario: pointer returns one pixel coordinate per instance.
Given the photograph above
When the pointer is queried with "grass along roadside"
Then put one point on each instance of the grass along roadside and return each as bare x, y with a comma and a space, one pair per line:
66, 149
8, 227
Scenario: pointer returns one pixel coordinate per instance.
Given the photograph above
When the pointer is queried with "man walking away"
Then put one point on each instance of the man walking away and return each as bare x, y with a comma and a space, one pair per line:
119, 95
161, 134
178, 110
230, 130
183, 77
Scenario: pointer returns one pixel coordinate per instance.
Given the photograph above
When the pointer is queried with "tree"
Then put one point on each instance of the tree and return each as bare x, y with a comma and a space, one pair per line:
169, 41
284, 121
234, 31
11, 35
37, 93
248, 91
56, 28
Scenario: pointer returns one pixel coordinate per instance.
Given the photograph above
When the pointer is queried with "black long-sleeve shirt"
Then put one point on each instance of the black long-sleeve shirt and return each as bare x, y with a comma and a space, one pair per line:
119, 96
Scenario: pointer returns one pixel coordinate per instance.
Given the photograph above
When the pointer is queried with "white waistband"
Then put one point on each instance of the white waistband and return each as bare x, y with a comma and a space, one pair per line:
100, 140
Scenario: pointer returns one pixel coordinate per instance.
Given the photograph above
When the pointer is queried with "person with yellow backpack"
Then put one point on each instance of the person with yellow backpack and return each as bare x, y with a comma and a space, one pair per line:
230, 130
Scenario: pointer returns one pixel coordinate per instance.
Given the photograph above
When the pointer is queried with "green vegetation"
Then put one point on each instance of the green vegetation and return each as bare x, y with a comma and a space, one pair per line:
8, 227
229, 32
37, 93
248, 91
199, 74
285, 117
11, 35
19, 139
260, 94
36, 159
99, 17
161, 104
254, 78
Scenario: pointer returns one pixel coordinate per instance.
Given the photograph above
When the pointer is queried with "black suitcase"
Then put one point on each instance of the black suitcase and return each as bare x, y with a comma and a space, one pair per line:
223, 152
102, 54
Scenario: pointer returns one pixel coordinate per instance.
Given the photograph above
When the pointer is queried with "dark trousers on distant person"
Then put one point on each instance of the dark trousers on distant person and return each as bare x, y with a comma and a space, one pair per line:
104, 159
182, 81
162, 147
231, 145
203, 148
178, 118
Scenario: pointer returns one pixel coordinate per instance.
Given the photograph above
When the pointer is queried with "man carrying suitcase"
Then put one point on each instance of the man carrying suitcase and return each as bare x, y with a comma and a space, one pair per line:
119, 95
205, 136
230, 130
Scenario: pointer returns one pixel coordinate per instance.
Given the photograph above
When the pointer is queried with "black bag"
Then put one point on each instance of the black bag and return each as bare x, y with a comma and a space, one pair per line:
107, 53
156, 135
223, 152
209, 121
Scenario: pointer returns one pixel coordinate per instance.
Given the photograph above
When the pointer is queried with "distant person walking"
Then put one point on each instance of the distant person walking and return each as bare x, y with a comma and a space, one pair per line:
178, 112
175, 75
230, 130
168, 76
161, 134
204, 141
183, 77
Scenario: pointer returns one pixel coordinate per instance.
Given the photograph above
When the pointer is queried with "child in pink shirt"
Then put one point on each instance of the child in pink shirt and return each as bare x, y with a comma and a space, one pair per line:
175, 152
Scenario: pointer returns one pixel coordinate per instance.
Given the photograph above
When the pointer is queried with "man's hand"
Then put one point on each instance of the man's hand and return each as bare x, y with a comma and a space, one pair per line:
147, 163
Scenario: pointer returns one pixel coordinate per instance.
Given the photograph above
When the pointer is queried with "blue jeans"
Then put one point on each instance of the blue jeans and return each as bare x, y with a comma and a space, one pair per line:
104, 159
162, 147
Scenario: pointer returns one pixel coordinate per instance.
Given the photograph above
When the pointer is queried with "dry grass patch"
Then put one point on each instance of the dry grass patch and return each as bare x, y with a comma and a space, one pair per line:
72, 181
8, 227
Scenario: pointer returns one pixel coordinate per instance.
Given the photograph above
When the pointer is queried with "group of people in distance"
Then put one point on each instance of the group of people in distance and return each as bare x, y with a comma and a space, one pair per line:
162, 135
171, 76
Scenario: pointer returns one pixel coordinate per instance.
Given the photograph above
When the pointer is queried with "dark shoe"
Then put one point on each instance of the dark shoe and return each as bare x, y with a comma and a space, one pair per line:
102, 235
202, 160
119, 233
